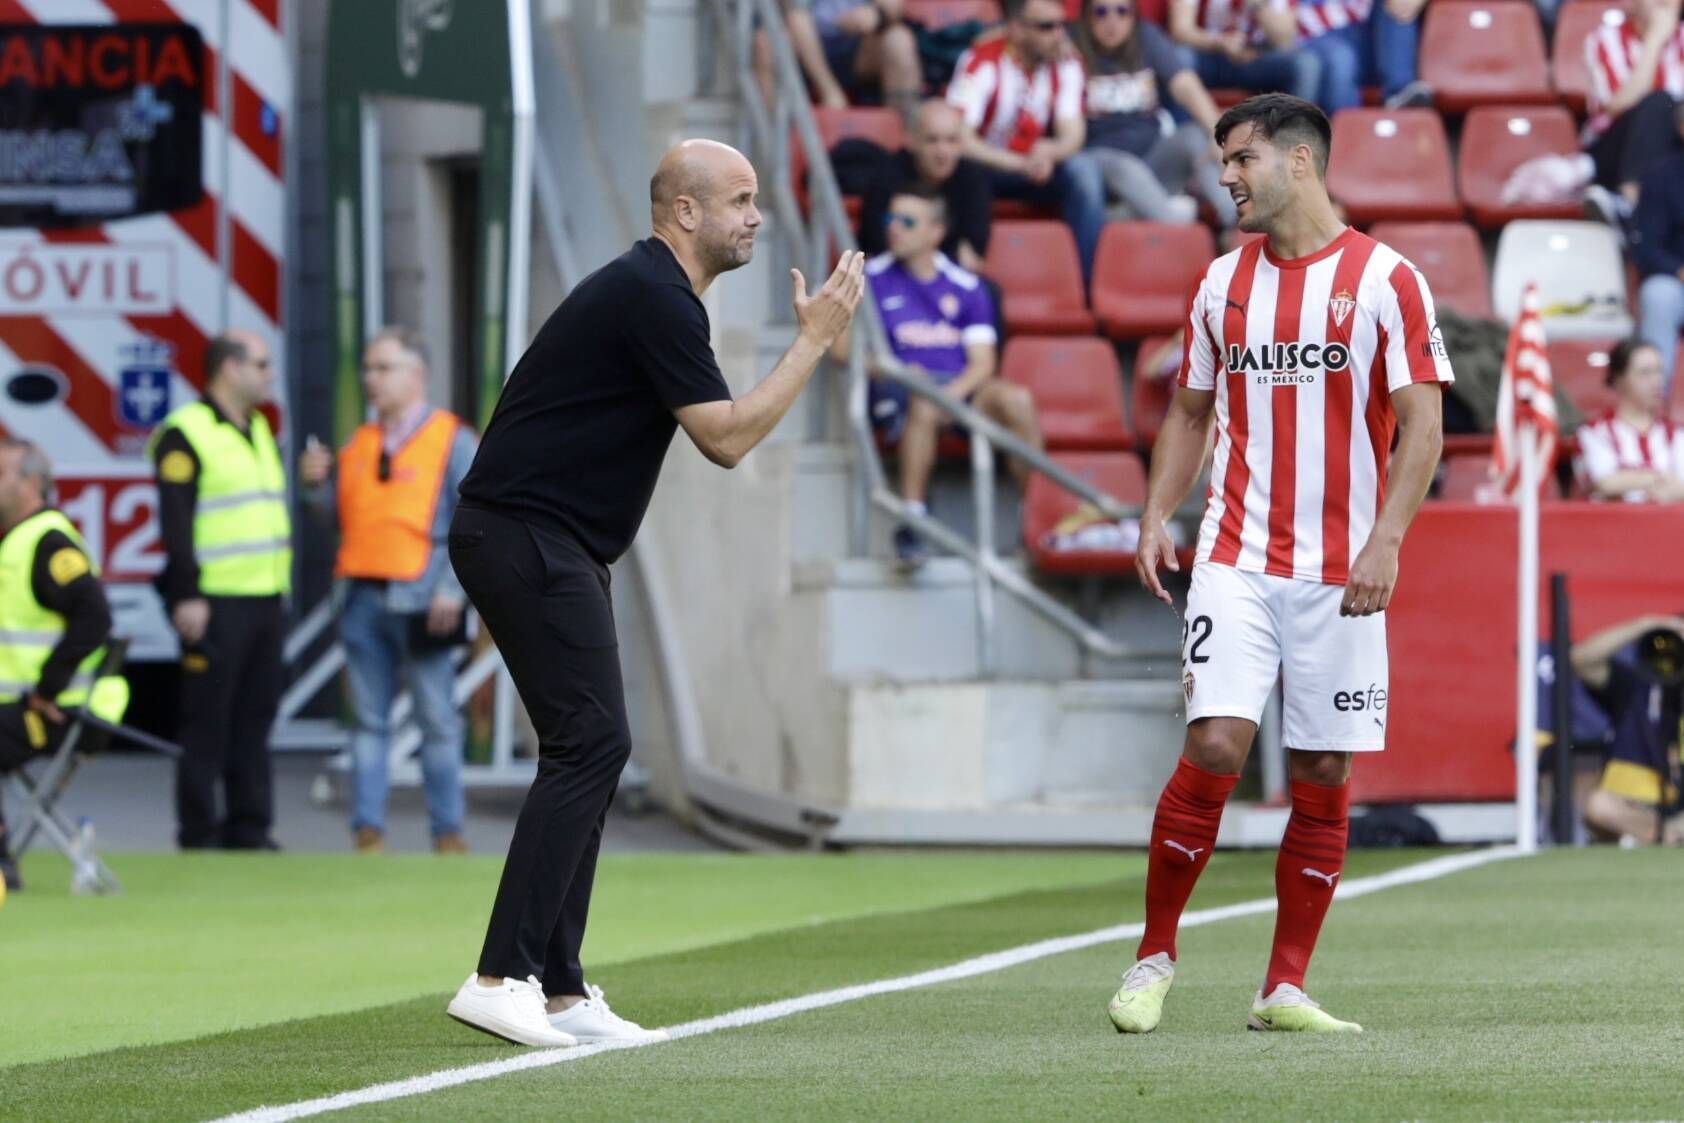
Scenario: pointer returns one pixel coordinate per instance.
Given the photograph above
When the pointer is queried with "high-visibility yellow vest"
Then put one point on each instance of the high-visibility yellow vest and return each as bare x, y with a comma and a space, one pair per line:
29, 631
242, 536
386, 526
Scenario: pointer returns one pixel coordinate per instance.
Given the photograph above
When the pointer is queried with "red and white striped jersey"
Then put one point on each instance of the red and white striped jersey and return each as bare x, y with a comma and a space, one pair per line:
1304, 355
1610, 444
1008, 107
1224, 17
1318, 18
1611, 53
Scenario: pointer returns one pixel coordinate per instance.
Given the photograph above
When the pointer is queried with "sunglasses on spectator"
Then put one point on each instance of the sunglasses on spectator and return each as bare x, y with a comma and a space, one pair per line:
906, 221
1043, 25
1101, 11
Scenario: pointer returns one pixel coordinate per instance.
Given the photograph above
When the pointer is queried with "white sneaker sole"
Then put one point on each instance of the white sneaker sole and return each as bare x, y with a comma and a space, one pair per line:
647, 1037
497, 1027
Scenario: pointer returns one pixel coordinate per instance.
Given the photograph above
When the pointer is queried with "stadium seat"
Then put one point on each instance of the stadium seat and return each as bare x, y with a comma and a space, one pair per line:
1148, 396
1573, 25
880, 126
1392, 164
1483, 52
1449, 255
1466, 479
937, 14
1054, 519
1580, 275
1143, 273
1036, 266
1579, 367
1497, 140
1077, 386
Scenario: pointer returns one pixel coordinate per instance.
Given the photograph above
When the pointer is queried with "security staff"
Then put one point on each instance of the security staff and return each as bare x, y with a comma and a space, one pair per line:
401, 605
222, 513
54, 621
562, 479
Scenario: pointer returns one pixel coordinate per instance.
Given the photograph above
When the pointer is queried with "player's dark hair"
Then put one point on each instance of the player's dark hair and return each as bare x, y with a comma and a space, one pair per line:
1623, 352
218, 351
1285, 120
913, 189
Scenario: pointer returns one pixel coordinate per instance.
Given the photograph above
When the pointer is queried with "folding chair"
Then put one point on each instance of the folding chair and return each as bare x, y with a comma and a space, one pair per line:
38, 796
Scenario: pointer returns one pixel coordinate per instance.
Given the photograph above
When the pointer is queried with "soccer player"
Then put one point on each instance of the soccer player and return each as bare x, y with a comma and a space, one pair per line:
1309, 347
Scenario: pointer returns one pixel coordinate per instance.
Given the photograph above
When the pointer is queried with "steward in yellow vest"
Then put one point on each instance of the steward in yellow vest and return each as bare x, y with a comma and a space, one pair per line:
54, 621
222, 513
401, 607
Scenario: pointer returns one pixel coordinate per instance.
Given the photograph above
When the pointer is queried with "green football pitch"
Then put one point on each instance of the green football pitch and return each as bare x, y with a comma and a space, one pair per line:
1536, 988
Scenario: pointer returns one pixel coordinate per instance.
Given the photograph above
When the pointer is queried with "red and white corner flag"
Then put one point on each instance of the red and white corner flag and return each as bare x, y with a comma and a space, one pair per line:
1526, 396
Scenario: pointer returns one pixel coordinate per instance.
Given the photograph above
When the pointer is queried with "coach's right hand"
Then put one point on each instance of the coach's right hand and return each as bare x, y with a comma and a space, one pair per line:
827, 313
1156, 548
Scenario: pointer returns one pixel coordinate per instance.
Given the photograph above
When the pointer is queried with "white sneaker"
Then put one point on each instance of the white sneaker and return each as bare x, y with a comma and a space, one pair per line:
591, 1020
513, 1011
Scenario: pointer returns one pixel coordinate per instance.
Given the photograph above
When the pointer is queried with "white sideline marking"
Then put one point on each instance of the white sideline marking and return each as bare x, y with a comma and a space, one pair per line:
772, 1011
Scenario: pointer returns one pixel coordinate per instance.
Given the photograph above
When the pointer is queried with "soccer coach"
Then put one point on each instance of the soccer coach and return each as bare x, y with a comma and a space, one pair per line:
561, 481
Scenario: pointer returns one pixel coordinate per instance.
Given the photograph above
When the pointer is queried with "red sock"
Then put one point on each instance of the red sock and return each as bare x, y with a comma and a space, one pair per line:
1312, 857
1183, 835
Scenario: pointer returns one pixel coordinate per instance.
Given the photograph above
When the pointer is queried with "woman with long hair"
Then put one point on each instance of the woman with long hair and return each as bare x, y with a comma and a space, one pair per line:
1150, 162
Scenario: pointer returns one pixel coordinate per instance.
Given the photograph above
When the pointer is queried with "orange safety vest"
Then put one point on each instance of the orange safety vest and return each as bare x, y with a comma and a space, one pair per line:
386, 526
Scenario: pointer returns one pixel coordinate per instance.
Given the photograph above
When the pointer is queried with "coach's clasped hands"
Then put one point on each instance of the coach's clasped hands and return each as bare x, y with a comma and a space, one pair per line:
826, 314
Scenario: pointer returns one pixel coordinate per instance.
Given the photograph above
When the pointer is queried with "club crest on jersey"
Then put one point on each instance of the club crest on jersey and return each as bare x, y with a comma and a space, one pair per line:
949, 305
1342, 305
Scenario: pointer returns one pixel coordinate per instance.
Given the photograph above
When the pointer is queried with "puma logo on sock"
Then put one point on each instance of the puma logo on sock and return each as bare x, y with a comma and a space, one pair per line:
1192, 855
1330, 878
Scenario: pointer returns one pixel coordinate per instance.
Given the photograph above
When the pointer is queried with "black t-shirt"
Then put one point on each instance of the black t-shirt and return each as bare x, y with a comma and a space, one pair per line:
970, 199
1123, 101
578, 437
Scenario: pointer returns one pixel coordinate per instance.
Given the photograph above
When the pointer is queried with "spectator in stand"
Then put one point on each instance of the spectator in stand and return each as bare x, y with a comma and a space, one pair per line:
1636, 74
1657, 249
1632, 451
1362, 43
1249, 44
1020, 92
932, 159
1148, 161
1634, 670
851, 51
940, 323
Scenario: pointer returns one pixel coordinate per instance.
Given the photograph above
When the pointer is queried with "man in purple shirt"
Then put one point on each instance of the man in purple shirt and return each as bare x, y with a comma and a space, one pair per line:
940, 323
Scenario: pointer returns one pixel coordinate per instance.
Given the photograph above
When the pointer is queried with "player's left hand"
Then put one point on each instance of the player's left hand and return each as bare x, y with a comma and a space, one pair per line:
1373, 575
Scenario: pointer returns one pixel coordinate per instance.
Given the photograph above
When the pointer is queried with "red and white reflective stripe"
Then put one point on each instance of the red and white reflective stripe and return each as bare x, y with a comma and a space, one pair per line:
242, 156
1526, 396
1319, 19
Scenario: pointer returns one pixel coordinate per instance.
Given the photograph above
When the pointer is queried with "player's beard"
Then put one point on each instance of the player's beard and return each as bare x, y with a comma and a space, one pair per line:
724, 249
1268, 202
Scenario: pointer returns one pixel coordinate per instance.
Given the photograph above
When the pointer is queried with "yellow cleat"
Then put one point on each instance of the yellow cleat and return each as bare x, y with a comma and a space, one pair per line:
1290, 1010
1139, 1002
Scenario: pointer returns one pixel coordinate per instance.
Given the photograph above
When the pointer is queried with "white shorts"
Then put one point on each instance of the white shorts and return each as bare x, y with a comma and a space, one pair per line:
1242, 630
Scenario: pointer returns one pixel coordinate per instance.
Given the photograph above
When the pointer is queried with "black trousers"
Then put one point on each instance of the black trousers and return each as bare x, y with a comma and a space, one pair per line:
1635, 139
545, 601
18, 743
230, 688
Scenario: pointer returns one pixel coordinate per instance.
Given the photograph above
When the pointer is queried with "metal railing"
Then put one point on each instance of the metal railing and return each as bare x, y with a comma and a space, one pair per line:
813, 240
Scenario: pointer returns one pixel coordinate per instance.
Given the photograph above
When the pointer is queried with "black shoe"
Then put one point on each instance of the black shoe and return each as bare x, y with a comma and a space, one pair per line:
910, 551
9, 871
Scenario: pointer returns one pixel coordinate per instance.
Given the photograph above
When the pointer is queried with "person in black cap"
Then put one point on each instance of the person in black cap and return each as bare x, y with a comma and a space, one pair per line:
1636, 672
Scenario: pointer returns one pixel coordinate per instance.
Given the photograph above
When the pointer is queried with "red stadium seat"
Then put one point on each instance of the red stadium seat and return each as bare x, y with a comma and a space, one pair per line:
1449, 255
936, 14
1497, 140
1153, 11
1573, 25
1479, 52
1149, 395
1077, 386
1036, 266
1580, 367
1143, 273
1392, 164
1050, 514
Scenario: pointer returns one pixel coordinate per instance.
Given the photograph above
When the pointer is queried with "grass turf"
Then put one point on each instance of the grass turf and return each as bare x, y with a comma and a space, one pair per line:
1538, 988
200, 943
